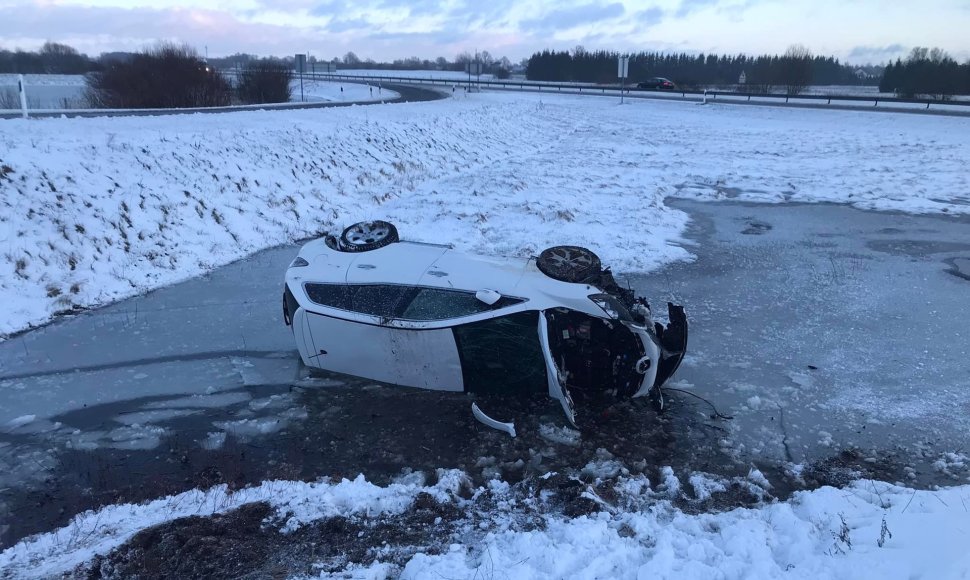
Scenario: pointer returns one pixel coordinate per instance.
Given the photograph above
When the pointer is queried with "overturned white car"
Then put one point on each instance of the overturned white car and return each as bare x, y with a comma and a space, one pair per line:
423, 315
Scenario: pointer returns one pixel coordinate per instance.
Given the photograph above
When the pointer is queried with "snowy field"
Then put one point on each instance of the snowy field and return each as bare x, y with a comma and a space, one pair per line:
98, 209
322, 91
439, 75
10, 80
46, 92
95, 210
43, 91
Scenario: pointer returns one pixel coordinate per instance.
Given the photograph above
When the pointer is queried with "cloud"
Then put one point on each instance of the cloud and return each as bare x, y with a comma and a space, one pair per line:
428, 38
338, 25
688, 6
876, 54
649, 17
97, 29
418, 7
330, 8
566, 18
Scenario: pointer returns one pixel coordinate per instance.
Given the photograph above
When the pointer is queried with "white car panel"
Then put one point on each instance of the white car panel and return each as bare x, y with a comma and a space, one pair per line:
653, 351
301, 332
474, 272
402, 263
426, 359
417, 264
557, 387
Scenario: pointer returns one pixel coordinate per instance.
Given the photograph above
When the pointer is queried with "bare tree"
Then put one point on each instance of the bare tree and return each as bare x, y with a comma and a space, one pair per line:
165, 76
9, 99
351, 59
265, 81
796, 69
63, 59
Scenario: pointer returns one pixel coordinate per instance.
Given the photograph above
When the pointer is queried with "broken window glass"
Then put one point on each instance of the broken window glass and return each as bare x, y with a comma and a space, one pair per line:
502, 355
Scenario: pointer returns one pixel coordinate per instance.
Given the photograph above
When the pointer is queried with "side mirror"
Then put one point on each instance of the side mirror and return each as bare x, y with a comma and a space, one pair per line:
489, 297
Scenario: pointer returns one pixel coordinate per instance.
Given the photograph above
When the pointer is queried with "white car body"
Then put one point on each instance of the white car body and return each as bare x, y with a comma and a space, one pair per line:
349, 315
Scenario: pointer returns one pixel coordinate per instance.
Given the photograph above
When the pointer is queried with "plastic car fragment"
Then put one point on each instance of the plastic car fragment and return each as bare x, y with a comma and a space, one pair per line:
486, 420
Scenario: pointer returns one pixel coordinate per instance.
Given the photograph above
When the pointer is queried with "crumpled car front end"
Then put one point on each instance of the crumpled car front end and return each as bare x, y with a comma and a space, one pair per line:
662, 346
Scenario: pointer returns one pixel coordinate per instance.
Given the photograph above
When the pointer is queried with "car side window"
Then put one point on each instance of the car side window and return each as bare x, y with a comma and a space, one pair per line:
382, 300
439, 304
406, 302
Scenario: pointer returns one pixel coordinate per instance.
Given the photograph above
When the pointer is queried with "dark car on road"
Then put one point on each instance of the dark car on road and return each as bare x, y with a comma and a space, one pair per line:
659, 83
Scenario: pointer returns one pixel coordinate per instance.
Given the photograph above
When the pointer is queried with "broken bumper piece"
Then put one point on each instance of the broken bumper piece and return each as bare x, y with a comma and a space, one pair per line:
673, 343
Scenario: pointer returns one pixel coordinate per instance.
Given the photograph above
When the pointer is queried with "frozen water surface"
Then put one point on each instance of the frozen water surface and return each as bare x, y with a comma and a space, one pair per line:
817, 327
820, 327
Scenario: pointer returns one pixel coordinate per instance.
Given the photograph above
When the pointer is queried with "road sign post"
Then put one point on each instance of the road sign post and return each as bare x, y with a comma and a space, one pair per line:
23, 95
301, 66
473, 68
622, 72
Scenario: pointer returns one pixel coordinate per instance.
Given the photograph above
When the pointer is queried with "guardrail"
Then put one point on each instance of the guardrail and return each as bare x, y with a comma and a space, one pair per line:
592, 89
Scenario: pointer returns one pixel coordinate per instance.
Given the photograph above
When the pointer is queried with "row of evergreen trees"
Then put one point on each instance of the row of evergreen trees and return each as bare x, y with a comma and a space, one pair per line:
52, 58
689, 70
926, 72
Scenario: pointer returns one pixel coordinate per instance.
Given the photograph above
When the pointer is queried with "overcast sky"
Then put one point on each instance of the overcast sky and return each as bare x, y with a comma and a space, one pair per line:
856, 31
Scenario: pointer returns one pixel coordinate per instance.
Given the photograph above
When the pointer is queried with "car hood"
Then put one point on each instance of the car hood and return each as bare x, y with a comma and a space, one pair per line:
402, 263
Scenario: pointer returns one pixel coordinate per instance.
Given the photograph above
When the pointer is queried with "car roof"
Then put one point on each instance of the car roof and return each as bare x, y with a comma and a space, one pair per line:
437, 266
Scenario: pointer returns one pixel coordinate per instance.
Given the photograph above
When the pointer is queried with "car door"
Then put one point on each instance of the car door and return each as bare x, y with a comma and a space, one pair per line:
354, 335
555, 375
426, 359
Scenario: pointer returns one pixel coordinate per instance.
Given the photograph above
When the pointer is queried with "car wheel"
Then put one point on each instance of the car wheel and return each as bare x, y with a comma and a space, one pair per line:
366, 236
569, 263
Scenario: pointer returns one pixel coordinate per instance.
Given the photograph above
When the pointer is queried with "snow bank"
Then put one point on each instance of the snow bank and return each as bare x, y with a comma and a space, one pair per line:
867, 530
98, 532
93, 210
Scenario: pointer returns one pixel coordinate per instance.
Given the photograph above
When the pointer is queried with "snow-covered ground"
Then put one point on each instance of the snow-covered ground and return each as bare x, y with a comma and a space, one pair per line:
98, 209
43, 91
316, 90
867, 530
46, 92
447, 75
94, 210
10, 80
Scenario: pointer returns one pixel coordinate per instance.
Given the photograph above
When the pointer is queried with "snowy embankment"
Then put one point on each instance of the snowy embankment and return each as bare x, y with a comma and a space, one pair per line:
317, 91
866, 530
93, 210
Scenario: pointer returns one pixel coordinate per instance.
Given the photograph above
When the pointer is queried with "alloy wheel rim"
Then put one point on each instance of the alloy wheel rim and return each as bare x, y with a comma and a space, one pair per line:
368, 233
565, 257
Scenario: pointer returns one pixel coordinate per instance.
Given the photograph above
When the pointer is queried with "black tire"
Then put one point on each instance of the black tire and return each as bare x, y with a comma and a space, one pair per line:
569, 263
367, 236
